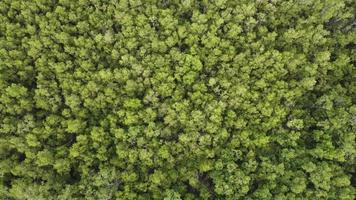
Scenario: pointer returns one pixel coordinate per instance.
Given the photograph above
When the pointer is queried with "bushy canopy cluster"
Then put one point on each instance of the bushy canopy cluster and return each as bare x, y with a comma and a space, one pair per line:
177, 99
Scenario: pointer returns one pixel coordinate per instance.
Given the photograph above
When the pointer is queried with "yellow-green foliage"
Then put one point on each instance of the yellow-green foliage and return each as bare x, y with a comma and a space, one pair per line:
177, 99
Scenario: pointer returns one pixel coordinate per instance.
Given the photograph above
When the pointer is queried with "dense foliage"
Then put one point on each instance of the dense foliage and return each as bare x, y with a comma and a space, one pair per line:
177, 99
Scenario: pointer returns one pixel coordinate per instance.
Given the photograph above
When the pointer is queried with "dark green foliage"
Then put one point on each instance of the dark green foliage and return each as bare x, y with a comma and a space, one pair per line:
177, 99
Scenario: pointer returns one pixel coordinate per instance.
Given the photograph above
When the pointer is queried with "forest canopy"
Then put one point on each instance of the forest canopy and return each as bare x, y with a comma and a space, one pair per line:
177, 99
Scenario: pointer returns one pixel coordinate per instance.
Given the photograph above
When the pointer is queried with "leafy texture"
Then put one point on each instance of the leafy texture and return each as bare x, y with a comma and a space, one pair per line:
168, 99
